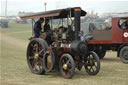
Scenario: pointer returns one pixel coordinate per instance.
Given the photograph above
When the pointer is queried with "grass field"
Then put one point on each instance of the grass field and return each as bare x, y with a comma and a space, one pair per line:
14, 69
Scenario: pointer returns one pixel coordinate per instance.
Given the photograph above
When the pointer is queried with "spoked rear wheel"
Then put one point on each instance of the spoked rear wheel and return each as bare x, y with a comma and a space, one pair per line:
35, 52
67, 66
92, 65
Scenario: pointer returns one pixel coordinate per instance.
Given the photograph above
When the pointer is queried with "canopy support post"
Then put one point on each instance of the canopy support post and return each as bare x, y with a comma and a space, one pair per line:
32, 27
33, 21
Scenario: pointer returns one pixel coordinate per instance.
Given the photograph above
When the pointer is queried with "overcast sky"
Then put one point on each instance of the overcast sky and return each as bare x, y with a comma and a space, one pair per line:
100, 6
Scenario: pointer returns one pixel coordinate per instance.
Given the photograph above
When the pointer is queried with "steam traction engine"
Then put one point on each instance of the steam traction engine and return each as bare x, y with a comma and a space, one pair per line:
65, 51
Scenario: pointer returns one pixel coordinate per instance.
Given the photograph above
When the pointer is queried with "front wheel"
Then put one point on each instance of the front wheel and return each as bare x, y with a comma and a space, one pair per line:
67, 66
92, 65
124, 54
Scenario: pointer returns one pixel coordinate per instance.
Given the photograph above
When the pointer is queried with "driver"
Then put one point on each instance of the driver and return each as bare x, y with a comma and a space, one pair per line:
46, 25
124, 25
46, 35
47, 30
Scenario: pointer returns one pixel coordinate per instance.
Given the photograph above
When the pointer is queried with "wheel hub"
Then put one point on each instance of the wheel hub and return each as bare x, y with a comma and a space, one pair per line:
65, 66
36, 56
126, 55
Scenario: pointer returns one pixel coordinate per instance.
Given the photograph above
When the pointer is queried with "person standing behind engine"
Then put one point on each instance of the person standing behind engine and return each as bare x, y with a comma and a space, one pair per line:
46, 25
38, 28
47, 31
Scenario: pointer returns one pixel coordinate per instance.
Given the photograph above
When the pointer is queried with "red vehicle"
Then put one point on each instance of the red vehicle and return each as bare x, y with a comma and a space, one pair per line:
116, 39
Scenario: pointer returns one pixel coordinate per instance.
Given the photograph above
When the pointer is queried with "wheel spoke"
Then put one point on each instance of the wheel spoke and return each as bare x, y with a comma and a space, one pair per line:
95, 66
37, 47
40, 67
66, 59
34, 62
93, 69
67, 62
34, 67
95, 63
37, 67
40, 60
41, 51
